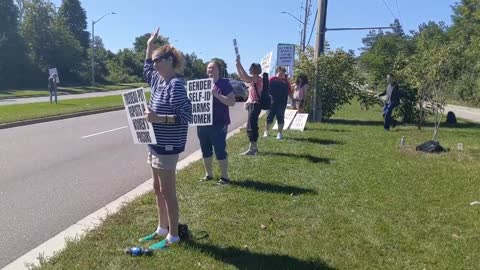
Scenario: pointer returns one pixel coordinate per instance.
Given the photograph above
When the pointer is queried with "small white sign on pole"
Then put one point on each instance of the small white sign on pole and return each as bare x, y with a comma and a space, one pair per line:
135, 106
267, 62
286, 57
299, 122
54, 71
289, 115
200, 94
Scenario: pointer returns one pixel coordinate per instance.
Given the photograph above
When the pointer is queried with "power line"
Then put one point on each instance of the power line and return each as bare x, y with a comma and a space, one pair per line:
391, 12
399, 14
313, 26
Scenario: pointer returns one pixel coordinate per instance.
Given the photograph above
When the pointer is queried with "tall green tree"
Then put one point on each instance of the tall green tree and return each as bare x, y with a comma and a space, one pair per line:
12, 47
125, 67
465, 31
195, 68
50, 43
75, 18
338, 80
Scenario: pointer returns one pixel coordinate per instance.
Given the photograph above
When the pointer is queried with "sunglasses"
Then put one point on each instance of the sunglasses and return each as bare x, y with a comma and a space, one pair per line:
160, 58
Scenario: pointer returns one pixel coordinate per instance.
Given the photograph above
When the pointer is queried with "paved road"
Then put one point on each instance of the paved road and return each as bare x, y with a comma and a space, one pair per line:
471, 114
50, 177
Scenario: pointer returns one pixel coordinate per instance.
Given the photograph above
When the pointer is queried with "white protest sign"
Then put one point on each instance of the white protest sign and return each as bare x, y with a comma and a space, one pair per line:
286, 57
289, 115
135, 105
200, 94
235, 45
299, 122
267, 62
52, 71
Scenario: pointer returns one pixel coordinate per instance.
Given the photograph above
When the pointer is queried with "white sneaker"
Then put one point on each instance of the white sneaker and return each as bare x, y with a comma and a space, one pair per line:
279, 136
265, 134
250, 152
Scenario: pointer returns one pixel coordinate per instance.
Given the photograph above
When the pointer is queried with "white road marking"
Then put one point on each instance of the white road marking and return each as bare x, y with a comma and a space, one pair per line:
103, 132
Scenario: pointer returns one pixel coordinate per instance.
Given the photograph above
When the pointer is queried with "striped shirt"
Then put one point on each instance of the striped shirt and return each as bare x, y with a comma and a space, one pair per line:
168, 98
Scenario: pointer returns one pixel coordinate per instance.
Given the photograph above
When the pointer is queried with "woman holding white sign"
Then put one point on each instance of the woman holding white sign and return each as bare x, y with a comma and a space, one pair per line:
214, 137
253, 102
169, 111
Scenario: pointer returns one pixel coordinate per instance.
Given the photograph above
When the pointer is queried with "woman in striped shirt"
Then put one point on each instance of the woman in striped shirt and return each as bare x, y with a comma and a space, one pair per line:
169, 111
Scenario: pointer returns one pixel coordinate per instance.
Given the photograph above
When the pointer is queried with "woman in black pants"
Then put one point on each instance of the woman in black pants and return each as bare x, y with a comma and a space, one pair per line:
253, 103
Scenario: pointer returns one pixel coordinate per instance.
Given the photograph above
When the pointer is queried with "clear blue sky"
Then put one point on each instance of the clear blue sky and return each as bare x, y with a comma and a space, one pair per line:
208, 27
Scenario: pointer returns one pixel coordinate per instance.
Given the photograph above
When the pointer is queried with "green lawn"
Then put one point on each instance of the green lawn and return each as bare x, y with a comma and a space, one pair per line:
341, 195
13, 113
21, 93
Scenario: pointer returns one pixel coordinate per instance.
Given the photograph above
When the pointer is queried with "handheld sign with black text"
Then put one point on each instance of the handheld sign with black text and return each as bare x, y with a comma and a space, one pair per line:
135, 105
299, 122
235, 45
200, 94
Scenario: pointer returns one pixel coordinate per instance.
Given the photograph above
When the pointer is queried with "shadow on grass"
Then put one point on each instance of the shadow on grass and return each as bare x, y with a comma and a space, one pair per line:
314, 140
461, 125
308, 157
327, 129
245, 259
272, 188
354, 122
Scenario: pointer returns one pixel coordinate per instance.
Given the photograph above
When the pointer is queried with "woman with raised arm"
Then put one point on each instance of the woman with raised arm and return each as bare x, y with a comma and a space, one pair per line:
169, 110
252, 105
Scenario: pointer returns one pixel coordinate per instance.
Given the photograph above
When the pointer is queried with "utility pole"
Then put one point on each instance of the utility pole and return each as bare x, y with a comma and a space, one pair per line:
319, 50
321, 27
305, 22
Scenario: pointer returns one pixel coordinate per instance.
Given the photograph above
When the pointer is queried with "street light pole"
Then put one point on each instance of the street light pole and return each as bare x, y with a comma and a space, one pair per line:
93, 45
303, 33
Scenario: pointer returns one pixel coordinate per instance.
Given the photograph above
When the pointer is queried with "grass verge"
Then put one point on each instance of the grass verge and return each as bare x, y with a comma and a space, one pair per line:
22, 93
19, 112
340, 195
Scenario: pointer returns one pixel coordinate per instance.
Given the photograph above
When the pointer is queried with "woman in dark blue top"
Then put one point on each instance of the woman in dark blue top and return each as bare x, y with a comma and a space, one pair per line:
214, 137
169, 111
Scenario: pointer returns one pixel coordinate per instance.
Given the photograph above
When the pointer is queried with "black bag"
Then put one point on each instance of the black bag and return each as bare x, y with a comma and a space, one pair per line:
451, 119
430, 147
265, 100
184, 232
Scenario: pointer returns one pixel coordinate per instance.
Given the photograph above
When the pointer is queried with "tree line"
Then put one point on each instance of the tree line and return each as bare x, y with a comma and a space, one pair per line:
434, 65
35, 35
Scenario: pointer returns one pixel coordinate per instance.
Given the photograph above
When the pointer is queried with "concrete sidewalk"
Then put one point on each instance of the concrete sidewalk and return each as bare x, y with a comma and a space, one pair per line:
12, 101
467, 113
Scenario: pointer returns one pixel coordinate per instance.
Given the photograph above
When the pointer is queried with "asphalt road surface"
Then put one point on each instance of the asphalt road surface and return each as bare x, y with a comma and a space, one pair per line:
53, 174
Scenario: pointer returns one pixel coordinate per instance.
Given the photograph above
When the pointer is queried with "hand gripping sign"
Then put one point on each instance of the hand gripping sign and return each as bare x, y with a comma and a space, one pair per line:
135, 105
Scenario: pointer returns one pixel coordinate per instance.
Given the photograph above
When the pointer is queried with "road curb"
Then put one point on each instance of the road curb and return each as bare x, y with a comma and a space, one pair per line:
58, 242
58, 117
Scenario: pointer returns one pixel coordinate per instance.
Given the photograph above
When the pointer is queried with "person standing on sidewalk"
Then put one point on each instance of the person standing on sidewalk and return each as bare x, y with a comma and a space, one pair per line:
214, 137
169, 110
279, 91
393, 100
52, 87
252, 105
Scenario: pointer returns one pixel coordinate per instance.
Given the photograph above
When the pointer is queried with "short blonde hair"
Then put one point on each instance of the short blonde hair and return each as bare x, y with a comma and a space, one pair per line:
177, 56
